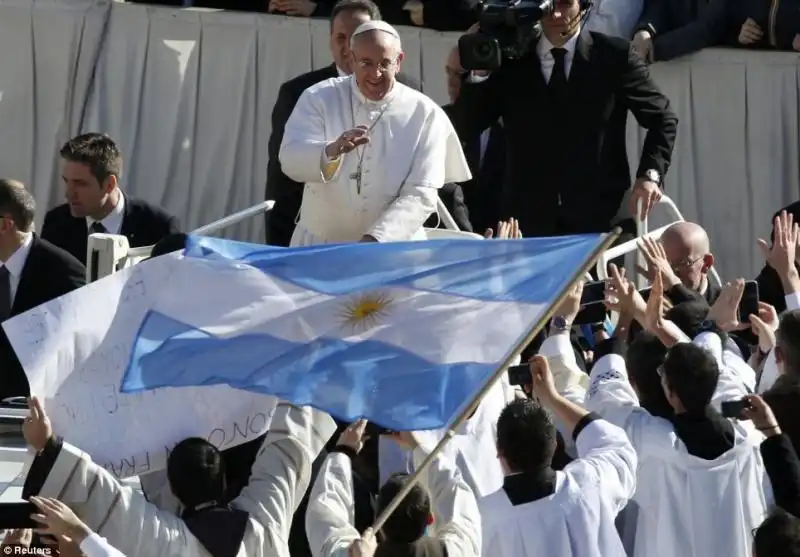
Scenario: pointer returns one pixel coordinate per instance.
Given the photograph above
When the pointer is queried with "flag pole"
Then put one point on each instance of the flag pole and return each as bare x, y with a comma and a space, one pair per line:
609, 239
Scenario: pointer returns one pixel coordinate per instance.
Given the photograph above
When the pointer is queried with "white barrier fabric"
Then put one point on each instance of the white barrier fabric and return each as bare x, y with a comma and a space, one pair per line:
188, 94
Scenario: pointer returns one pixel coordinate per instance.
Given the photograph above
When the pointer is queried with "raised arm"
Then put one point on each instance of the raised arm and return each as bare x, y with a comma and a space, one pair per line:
302, 149
282, 470
118, 513
331, 513
454, 505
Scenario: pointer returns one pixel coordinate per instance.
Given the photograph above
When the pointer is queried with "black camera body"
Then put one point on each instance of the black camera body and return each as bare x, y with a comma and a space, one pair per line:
507, 28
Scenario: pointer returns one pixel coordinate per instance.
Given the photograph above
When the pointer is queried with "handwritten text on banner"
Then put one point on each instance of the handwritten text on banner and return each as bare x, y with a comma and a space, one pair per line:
74, 351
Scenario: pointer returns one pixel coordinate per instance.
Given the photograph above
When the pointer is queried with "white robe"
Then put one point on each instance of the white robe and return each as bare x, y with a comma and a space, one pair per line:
577, 520
331, 515
280, 476
413, 151
687, 506
472, 448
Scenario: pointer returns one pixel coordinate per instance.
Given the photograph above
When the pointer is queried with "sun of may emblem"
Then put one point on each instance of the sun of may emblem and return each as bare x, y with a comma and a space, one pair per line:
364, 311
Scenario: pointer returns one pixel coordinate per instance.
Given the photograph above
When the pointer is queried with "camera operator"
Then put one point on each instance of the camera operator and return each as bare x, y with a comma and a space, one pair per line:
564, 99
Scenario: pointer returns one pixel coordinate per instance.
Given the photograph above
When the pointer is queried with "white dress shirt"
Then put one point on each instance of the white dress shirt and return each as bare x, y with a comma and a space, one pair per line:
16, 263
546, 59
113, 221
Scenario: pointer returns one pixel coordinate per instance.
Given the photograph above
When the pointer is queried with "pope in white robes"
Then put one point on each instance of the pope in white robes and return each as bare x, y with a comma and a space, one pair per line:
372, 152
122, 515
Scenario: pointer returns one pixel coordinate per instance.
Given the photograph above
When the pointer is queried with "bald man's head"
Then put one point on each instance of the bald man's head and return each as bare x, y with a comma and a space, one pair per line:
689, 252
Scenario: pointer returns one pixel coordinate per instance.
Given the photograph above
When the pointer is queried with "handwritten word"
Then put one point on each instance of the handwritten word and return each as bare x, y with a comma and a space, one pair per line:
221, 437
252, 426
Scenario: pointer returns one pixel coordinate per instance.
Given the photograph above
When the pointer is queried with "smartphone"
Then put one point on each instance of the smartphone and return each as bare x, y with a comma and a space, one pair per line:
734, 408
592, 308
749, 304
519, 376
18, 515
374, 430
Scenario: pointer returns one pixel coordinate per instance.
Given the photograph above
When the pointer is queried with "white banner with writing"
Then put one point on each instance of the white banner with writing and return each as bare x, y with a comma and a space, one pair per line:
75, 350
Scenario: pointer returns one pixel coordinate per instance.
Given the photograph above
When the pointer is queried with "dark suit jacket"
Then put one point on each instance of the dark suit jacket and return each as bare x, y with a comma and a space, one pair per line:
287, 193
143, 225
567, 169
783, 470
441, 15
452, 197
49, 272
484, 193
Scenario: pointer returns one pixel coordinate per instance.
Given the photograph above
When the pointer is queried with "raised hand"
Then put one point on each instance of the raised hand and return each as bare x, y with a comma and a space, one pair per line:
781, 255
36, 428
725, 311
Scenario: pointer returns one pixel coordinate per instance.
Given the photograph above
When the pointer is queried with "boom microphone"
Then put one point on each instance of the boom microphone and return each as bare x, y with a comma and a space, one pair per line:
580, 20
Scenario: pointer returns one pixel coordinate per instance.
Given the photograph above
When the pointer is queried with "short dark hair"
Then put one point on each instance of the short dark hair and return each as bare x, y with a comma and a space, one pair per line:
408, 523
526, 436
196, 472
691, 373
788, 340
644, 357
367, 6
170, 243
778, 536
17, 203
98, 152
688, 316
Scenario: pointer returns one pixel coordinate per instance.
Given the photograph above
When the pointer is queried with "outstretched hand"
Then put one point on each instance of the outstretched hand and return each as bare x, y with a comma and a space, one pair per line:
36, 428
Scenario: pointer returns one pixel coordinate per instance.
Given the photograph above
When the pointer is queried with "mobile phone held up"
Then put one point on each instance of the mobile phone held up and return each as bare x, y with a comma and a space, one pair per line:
734, 408
593, 310
519, 376
17, 515
749, 303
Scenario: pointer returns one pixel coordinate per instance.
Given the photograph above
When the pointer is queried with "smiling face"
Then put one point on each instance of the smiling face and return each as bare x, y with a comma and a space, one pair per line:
377, 56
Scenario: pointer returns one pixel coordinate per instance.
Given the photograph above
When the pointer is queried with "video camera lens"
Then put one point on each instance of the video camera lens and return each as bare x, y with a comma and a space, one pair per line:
479, 51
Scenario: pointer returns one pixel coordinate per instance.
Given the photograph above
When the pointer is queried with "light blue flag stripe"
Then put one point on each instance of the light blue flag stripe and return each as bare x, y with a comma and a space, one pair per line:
392, 386
389, 384
528, 271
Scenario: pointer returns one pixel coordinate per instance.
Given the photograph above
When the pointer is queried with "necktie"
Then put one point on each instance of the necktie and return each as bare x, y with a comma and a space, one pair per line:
558, 78
5, 293
97, 228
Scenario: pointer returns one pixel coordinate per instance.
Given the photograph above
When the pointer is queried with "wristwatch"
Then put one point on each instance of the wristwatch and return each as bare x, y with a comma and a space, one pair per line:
709, 326
559, 324
653, 176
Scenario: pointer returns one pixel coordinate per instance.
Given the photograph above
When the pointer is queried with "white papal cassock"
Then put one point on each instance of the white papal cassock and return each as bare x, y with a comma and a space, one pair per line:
687, 506
413, 151
577, 520
279, 479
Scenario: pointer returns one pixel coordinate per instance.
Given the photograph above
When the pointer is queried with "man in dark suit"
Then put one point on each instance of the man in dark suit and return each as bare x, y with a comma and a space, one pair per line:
486, 156
33, 272
91, 169
346, 15
564, 106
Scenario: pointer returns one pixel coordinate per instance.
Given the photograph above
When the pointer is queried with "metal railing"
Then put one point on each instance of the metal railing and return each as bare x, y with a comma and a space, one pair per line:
632, 246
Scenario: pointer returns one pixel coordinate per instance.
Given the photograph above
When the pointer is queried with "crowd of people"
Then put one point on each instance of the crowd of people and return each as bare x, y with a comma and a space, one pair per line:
668, 431
662, 30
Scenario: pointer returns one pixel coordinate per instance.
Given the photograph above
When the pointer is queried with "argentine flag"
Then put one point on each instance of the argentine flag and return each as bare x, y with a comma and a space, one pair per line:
403, 334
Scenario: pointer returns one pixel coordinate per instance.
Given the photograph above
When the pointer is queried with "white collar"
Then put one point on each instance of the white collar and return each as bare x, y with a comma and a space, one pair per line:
361, 99
16, 262
113, 220
544, 45
341, 72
